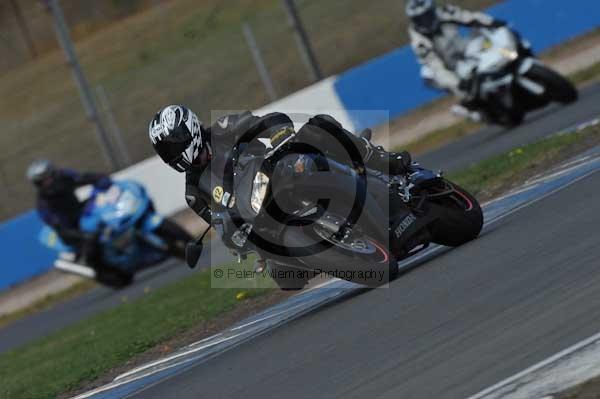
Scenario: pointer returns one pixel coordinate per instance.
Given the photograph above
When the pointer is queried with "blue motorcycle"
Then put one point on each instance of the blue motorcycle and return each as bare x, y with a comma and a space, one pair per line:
128, 233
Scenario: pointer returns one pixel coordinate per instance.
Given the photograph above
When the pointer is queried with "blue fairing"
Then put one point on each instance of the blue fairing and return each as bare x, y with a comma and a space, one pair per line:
123, 217
50, 239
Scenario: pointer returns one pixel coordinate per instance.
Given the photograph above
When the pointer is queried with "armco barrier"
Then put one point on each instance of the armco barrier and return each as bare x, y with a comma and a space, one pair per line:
392, 81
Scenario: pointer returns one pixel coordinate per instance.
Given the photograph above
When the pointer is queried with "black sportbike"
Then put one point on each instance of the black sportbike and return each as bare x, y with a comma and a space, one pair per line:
307, 214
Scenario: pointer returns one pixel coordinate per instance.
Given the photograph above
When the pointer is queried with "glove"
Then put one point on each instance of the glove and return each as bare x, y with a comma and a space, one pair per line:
103, 183
498, 23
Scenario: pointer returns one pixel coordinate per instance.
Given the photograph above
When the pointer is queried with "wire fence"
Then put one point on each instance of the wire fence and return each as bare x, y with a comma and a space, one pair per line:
26, 31
178, 51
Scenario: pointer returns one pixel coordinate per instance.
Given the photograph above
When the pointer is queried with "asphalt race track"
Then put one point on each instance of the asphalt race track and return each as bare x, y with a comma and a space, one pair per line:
468, 318
485, 143
494, 140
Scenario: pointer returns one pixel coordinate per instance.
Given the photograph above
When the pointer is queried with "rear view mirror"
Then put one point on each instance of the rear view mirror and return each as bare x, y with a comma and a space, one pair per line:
193, 251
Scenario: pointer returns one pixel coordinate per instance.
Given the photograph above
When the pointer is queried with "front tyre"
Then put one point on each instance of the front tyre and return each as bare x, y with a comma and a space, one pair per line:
461, 218
288, 278
558, 88
345, 259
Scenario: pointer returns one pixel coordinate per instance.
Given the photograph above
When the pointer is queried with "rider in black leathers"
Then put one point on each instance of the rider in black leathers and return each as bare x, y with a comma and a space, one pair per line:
186, 145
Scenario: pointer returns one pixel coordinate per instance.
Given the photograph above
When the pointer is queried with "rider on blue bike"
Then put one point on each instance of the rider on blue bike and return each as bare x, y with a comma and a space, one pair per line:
58, 205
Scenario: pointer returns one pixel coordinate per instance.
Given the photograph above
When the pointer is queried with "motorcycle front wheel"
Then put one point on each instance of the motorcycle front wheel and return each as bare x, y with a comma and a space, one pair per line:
369, 254
461, 217
558, 88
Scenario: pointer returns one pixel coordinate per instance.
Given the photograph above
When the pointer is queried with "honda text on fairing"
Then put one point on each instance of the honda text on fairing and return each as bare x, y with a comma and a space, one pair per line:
367, 222
505, 79
130, 235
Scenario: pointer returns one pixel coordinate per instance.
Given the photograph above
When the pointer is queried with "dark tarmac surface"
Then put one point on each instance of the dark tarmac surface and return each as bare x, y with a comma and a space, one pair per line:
491, 141
526, 289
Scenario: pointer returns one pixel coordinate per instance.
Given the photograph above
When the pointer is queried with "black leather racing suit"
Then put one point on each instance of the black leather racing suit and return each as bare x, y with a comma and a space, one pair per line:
230, 129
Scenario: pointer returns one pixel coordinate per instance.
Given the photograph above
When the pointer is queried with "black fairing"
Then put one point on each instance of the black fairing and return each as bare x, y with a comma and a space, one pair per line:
295, 198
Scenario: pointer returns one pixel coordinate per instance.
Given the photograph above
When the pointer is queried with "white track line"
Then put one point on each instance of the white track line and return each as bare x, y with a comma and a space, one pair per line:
116, 382
173, 357
537, 366
270, 316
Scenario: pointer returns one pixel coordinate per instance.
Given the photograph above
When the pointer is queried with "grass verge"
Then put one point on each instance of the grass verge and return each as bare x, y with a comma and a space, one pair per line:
81, 353
498, 174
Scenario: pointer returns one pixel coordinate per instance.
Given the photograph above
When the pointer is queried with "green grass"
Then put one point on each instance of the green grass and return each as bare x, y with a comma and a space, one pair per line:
440, 137
493, 174
84, 351
184, 52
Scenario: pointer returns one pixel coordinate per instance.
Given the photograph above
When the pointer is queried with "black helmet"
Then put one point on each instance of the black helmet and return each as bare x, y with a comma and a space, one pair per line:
177, 136
40, 171
423, 15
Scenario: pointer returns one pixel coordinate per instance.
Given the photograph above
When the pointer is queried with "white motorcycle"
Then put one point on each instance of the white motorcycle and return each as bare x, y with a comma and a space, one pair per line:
505, 80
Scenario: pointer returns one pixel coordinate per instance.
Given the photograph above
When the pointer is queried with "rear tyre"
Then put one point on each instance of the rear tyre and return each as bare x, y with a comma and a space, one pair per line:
461, 221
288, 278
114, 278
514, 118
509, 119
559, 88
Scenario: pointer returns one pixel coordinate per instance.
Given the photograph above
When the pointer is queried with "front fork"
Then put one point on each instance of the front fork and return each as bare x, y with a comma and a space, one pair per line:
526, 83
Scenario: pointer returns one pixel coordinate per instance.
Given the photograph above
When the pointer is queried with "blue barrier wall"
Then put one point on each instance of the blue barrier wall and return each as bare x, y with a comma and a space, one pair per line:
23, 256
392, 81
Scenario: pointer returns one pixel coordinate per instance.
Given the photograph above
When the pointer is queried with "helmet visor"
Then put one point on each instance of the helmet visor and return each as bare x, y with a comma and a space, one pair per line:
180, 164
173, 146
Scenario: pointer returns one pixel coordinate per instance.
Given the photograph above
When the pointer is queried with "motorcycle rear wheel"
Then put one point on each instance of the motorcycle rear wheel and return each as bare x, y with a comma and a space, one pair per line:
114, 278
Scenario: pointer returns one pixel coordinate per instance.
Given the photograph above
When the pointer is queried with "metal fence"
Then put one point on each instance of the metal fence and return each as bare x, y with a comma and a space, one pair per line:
26, 31
178, 51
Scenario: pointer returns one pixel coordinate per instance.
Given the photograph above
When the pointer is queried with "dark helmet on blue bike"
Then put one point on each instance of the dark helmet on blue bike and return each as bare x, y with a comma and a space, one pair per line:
423, 15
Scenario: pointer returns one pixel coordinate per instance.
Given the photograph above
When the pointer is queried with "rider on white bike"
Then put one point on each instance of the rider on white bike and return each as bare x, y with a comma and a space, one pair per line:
436, 40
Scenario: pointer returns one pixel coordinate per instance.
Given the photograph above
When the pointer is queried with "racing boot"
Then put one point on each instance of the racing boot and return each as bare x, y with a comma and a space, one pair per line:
392, 163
